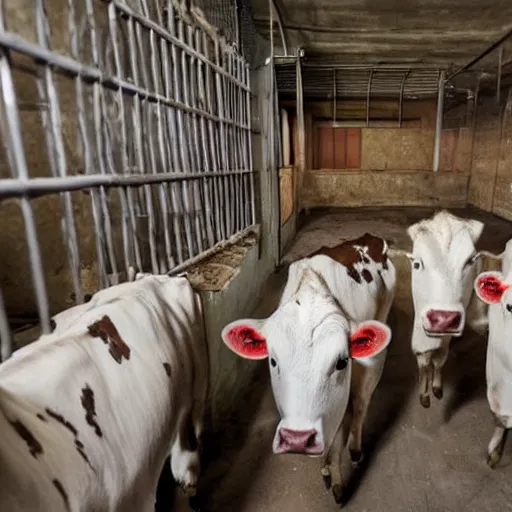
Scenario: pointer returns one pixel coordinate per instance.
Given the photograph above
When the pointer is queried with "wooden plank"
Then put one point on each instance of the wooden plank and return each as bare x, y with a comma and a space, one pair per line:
384, 188
339, 148
325, 147
353, 148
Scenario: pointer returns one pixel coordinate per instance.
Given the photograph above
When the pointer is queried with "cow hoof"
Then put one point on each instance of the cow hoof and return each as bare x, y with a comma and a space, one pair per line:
326, 476
438, 392
356, 457
339, 495
425, 401
493, 458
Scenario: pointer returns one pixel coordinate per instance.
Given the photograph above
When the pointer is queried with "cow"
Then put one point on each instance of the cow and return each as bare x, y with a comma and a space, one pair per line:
326, 344
90, 412
495, 289
444, 265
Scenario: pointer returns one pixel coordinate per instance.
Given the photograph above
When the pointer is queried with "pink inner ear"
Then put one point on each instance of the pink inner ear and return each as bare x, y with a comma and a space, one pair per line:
368, 340
490, 288
247, 341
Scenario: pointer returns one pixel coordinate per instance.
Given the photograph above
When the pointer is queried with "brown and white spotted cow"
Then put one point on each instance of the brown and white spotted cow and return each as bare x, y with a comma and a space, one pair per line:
89, 413
326, 345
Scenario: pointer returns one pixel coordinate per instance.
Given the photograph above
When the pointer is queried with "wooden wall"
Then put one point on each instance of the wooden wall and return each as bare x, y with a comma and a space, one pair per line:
490, 184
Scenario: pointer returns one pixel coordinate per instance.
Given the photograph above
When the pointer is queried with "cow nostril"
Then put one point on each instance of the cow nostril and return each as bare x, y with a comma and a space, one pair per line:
311, 440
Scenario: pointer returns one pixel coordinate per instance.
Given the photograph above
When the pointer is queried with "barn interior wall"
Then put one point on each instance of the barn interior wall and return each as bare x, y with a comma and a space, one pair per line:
395, 160
490, 184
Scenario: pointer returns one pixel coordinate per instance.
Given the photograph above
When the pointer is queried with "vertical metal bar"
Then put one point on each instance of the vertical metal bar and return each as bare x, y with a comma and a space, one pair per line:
498, 81
228, 202
301, 135
98, 125
172, 140
183, 143
156, 59
86, 149
401, 99
193, 135
57, 153
13, 141
249, 141
129, 223
439, 122
368, 96
5, 332
212, 137
199, 135
138, 121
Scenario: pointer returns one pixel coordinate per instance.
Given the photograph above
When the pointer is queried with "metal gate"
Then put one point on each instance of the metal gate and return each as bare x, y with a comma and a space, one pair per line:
158, 108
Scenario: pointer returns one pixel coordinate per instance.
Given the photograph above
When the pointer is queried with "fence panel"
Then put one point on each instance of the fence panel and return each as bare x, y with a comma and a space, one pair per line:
141, 106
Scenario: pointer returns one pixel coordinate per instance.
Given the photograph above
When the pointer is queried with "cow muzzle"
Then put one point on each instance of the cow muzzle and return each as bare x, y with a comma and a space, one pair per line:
443, 321
306, 442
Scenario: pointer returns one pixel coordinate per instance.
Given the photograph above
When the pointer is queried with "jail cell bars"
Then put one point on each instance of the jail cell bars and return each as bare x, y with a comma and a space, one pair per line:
161, 108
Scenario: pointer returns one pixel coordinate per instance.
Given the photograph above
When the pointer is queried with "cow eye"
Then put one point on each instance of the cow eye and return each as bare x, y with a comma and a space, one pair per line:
470, 260
416, 265
273, 362
509, 308
341, 363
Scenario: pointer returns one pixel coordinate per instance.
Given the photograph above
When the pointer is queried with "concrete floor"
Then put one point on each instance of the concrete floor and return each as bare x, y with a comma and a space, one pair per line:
417, 459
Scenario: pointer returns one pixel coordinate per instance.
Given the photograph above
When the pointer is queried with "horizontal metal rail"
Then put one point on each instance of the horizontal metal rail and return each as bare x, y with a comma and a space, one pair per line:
35, 187
92, 74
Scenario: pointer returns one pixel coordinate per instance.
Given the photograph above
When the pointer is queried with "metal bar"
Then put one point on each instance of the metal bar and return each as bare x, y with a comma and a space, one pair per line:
10, 127
334, 94
481, 56
36, 187
130, 243
375, 67
368, 94
280, 25
301, 135
56, 151
5, 332
86, 150
401, 99
88, 73
439, 121
167, 35
498, 80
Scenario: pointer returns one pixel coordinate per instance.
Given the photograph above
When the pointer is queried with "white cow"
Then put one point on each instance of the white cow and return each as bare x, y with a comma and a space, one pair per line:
444, 265
495, 289
331, 313
89, 413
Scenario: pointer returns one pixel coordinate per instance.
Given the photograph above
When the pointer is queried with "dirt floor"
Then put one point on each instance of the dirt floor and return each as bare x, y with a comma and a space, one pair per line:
417, 459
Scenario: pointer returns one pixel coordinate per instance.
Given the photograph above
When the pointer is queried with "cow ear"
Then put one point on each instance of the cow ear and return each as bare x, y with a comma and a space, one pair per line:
489, 287
475, 228
245, 339
369, 339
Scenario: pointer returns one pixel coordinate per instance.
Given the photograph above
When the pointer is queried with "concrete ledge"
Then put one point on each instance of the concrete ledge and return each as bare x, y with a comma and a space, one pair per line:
384, 188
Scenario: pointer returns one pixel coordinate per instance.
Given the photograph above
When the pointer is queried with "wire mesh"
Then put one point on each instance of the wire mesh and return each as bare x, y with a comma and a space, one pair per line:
143, 110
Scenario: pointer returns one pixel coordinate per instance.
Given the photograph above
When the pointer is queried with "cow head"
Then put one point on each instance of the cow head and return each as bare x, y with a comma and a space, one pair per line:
492, 288
310, 347
444, 267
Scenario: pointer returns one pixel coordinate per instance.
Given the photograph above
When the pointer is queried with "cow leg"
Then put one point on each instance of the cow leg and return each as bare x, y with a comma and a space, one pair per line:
338, 487
333, 458
185, 460
497, 443
424, 366
439, 358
